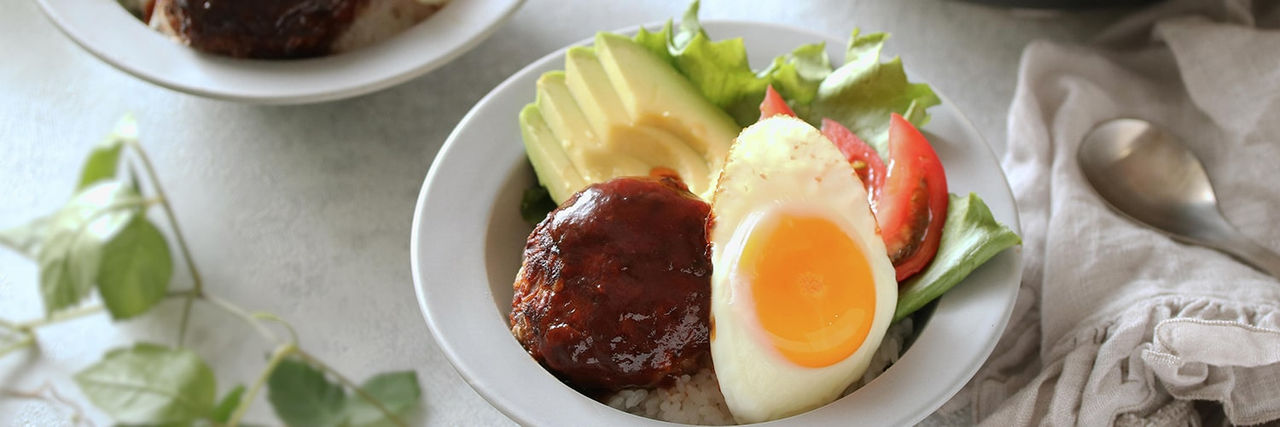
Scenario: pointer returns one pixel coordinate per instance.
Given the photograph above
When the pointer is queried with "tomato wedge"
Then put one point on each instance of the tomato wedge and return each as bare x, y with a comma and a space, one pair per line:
774, 105
908, 196
865, 160
912, 205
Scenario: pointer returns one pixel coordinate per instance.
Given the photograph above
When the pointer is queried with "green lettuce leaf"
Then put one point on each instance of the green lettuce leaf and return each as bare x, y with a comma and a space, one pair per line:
689, 28
721, 72
862, 92
656, 42
970, 237
536, 204
718, 69
797, 75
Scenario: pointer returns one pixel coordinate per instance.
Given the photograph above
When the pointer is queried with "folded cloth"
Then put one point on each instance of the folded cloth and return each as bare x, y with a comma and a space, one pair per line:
1117, 324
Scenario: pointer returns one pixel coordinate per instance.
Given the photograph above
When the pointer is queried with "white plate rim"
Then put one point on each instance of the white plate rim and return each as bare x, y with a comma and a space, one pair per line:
1008, 264
104, 29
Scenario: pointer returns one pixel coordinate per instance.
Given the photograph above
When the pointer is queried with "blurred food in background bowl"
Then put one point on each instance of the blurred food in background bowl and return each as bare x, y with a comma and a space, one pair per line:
346, 47
278, 29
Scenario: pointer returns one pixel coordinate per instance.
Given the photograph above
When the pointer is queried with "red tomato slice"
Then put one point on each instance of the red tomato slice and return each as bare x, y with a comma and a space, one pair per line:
908, 197
912, 205
864, 159
774, 105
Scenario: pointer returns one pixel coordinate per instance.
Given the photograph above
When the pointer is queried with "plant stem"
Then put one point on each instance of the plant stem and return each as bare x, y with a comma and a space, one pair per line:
197, 283
27, 329
49, 394
228, 307
186, 318
27, 340
293, 333
62, 316
178, 294
243, 406
186, 311
391, 416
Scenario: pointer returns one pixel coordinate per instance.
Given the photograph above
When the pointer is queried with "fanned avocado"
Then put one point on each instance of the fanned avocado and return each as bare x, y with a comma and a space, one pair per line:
619, 110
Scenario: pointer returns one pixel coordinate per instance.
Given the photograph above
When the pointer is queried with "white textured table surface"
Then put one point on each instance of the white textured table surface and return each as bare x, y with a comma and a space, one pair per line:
305, 211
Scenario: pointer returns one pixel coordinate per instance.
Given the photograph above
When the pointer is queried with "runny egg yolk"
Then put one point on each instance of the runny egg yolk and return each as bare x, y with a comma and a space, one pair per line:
812, 286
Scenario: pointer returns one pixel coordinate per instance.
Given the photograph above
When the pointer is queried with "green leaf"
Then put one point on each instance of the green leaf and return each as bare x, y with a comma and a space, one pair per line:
302, 396
860, 94
535, 204
970, 237
105, 157
8, 336
135, 269
150, 384
719, 70
796, 75
71, 252
66, 272
864, 91
398, 392
864, 48
656, 42
101, 165
689, 28
26, 239
222, 413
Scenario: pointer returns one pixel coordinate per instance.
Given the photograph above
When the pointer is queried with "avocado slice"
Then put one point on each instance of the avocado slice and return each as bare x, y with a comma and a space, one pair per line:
599, 102
550, 162
619, 110
575, 132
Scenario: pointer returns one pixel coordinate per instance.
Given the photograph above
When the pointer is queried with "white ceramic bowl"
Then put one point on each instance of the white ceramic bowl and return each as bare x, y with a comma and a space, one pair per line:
106, 30
468, 237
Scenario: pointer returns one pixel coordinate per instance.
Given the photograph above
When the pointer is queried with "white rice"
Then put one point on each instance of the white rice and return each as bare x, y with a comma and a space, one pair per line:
693, 399
379, 20
696, 399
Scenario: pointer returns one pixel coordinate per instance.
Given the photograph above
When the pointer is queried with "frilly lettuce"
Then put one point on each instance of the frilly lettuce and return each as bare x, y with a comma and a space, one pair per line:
859, 94
862, 92
719, 69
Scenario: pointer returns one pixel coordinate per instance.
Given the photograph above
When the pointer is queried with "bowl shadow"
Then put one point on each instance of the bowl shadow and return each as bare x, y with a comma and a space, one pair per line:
506, 235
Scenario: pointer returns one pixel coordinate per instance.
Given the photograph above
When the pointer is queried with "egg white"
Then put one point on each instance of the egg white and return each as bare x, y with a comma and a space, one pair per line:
783, 165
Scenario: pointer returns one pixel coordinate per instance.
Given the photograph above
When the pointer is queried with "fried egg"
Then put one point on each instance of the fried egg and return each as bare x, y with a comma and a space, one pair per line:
802, 289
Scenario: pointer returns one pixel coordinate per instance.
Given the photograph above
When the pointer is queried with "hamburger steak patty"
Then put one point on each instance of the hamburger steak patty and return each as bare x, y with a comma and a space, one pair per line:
614, 291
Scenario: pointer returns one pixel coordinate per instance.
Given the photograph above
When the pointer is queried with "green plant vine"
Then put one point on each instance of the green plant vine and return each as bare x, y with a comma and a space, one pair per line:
103, 240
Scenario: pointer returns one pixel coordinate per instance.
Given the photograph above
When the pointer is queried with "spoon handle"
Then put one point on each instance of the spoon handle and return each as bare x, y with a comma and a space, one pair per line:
1251, 253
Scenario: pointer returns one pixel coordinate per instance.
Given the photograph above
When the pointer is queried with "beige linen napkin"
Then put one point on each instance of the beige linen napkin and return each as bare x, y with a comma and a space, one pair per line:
1115, 323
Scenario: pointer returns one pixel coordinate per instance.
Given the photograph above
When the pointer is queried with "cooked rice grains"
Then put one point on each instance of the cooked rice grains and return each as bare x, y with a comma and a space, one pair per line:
696, 399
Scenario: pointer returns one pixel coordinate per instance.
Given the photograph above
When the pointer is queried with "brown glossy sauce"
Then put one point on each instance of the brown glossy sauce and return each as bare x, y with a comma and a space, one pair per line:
615, 287
662, 171
263, 28
148, 8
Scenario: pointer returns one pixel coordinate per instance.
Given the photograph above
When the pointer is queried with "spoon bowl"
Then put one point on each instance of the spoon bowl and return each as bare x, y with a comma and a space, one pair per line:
1145, 174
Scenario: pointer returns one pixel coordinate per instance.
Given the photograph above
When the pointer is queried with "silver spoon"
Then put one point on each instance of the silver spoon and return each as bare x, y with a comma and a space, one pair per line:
1147, 175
